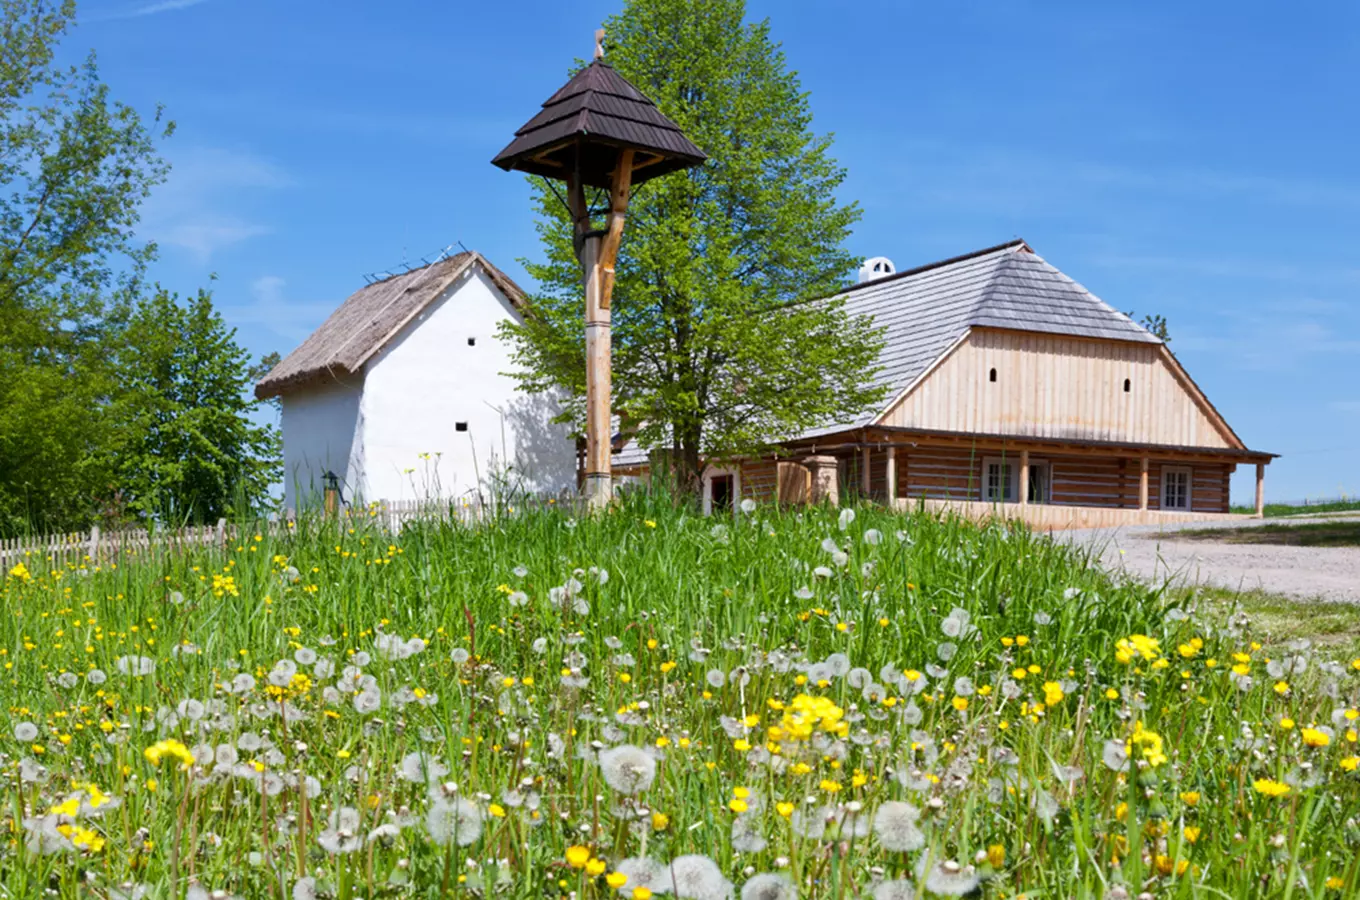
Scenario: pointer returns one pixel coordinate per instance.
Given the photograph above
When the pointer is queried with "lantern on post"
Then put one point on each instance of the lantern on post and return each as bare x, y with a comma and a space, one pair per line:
331, 496
598, 131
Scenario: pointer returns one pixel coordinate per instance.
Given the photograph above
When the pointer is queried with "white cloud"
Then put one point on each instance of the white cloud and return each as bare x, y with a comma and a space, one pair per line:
270, 308
145, 9
206, 203
203, 237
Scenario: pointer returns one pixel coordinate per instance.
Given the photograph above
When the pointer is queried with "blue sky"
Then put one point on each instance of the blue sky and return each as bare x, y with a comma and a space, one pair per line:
1196, 160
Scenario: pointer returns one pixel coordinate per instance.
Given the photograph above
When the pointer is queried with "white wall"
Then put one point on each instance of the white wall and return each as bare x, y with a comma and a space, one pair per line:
428, 379
322, 431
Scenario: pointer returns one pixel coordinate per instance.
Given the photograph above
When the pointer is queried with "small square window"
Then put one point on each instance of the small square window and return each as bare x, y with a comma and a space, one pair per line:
460, 426
472, 342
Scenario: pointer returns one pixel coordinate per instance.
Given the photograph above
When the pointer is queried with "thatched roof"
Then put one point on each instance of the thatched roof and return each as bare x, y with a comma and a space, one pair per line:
370, 318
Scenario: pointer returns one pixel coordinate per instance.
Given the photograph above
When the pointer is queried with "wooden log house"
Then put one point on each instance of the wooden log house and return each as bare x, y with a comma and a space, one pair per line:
1012, 391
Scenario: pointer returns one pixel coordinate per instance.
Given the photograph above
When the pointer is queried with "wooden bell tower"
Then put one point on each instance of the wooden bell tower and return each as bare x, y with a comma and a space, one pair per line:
598, 131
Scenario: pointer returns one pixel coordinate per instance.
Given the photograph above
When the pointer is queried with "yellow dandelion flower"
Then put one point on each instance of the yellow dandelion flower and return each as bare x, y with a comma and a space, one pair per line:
1270, 788
1315, 738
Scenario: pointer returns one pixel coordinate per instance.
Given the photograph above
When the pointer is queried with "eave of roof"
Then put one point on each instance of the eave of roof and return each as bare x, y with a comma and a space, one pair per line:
597, 108
1244, 454
371, 318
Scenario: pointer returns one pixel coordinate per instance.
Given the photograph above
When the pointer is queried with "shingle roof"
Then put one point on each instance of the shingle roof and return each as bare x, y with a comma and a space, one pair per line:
924, 311
597, 107
371, 317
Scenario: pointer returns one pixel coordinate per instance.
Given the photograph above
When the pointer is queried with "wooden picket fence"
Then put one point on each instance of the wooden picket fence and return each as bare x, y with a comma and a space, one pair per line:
97, 545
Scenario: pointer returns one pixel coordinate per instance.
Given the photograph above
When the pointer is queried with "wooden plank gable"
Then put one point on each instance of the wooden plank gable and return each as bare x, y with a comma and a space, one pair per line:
998, 381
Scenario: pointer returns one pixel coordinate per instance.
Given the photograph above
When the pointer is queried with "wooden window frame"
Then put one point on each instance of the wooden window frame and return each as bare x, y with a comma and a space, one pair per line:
1012, 479
1189, 473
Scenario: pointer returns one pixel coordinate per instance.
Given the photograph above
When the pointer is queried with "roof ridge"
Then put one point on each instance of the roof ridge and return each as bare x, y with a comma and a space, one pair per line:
985, 294
963, 257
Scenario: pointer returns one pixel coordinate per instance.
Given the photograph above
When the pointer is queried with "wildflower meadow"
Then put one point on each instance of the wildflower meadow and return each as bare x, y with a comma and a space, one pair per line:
647, 702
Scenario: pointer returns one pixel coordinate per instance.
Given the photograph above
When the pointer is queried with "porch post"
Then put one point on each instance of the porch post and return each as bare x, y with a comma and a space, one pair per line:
1143, 484
892, 475
864, 471
1260, 490
1024, 478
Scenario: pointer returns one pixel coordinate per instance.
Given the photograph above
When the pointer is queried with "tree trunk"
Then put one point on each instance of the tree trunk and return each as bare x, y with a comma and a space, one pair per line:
687, 465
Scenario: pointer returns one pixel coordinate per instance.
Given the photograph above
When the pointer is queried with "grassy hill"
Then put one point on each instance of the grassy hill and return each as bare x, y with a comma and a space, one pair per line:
812, 703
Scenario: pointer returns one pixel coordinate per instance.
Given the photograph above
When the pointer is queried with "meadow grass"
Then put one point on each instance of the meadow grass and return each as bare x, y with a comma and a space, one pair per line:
1275, 510
1344, 533
812, 703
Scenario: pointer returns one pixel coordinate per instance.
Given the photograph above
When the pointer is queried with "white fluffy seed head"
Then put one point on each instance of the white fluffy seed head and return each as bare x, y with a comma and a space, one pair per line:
767, 886
455, 821
899, 889
895, 825
627, 769
696, 877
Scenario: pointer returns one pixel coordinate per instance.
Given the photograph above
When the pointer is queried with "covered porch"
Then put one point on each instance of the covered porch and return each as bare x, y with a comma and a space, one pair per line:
1046, 483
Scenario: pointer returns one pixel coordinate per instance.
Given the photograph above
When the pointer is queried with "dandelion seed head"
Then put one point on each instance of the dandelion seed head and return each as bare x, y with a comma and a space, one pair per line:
627, 769
949, 879
895, 825
696, 877
454, 821
897, 889
768, 886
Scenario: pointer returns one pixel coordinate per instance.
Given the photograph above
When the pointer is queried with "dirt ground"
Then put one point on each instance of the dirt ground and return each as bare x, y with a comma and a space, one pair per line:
1226, 555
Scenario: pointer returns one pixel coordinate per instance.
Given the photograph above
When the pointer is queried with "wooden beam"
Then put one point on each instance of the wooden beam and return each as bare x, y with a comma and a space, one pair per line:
864, 472
1041, 446
597, 484
892, 476
1143, 482
1024, 478
1260, 490
619, 187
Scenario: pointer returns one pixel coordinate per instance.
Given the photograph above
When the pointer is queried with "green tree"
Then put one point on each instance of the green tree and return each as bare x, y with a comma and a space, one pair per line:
74, 169
1154, 323
194, 452
718, 348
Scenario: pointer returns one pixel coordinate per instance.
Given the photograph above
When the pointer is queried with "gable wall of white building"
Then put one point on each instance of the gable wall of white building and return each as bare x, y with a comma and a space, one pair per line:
322, 432
429, 379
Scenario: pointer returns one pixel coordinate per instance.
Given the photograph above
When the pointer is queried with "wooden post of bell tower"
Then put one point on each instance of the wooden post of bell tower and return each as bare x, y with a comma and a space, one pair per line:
598, 131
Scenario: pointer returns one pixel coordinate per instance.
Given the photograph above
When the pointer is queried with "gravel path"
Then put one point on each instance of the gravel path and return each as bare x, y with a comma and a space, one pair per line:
1155, 553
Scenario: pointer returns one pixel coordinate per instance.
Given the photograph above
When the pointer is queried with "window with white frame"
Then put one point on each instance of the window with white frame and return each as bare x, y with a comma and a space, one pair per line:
1175, 487
999, 481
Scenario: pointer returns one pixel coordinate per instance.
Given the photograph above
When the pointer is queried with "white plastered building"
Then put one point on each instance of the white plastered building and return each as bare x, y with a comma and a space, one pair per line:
402, 393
